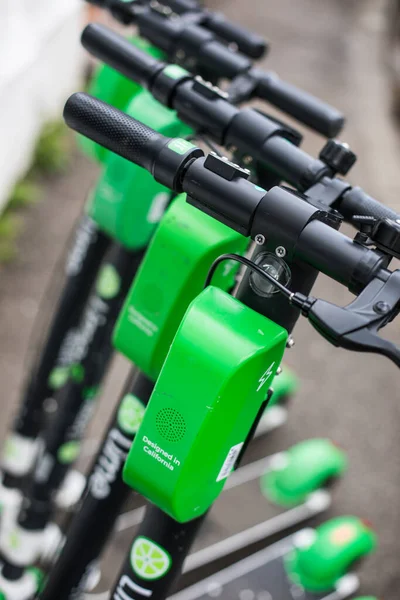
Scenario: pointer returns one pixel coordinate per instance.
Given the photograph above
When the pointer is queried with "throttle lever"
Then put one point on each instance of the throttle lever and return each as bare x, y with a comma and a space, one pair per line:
356, 326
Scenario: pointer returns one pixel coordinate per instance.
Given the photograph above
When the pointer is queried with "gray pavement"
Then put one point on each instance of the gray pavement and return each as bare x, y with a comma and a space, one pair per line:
332, 48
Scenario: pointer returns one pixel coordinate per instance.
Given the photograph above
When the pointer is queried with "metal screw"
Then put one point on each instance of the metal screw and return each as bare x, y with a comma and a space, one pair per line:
381, 307
398, 221
279, 371
290, 343
247, 159
280, 251
259, 239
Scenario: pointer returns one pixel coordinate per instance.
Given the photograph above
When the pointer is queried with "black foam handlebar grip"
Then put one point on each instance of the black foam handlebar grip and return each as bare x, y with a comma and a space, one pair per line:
249, 43
113, 130
120, 54
357, 202
304, 107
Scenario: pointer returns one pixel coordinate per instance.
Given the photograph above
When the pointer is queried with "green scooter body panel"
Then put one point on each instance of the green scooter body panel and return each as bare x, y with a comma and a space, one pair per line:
127, 202
320, 561
171, 275
301, 470
115, 89
209, 392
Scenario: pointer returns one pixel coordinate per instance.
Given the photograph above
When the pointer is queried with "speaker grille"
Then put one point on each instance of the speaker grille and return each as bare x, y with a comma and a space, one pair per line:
170, 424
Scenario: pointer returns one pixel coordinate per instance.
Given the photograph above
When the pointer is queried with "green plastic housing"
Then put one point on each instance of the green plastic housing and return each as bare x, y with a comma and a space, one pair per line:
211, 389
127, 203
110, 86
321, 560
301, 470
171, 275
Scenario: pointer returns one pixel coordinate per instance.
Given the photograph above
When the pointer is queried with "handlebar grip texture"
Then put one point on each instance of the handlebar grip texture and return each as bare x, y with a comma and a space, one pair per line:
113, 129
357, 202
119, 53
249, 43
304, 107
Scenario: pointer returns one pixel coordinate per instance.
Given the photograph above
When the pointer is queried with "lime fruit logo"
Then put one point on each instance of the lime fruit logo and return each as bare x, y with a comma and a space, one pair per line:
130, 414
68, 452
108, 282
58, 377
149, 561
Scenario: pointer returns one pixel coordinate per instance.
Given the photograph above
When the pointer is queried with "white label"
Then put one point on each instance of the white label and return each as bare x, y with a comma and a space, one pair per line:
229, 461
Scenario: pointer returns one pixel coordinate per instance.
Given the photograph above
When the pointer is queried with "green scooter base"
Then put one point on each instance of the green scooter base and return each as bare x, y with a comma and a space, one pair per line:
264, 575
225, 538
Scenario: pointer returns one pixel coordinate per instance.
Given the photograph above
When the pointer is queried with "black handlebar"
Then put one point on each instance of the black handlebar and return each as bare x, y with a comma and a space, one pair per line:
120, 54
249, 43
113, 129
222, 190
301, 105
213, 56
205, 109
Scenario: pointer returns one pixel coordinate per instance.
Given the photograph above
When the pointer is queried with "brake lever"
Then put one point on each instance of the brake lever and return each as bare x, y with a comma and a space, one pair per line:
356, 326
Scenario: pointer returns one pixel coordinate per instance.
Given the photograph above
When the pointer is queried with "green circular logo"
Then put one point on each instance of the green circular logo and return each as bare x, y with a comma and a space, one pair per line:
149, 560
108, 282
58, 377
130, 414
68, 452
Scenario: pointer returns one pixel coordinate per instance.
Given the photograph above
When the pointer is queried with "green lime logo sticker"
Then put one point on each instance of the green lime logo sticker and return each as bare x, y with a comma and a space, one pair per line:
130, 414
149, 561
68, 452
175, 72
58, 377
180, 146
108, 282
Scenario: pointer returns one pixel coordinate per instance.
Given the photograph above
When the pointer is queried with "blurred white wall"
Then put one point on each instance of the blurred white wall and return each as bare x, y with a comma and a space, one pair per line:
40, 62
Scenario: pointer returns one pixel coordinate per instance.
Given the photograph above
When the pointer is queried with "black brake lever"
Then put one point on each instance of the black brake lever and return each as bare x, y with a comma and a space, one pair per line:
356, 326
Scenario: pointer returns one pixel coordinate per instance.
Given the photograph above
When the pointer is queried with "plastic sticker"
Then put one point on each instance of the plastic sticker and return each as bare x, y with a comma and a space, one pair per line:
130, 414
108, 282
175, 71
229, 461
149, 560
180, 146
68, 452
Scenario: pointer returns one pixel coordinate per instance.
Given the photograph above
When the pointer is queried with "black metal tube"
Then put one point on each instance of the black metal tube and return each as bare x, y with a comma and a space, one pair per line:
104, 498
93, 351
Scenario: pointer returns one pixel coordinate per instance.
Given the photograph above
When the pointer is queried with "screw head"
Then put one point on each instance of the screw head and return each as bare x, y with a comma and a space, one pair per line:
279, 371
381, 307
247, 160
280, 251
259, 239
290, 343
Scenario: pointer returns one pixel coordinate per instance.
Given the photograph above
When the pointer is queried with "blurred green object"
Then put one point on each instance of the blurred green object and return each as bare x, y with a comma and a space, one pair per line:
322, 556
25, 193
301, 470
52, 151
10, 227
284, 385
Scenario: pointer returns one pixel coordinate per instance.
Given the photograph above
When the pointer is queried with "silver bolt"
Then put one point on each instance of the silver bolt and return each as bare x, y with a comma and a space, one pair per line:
398, 221
259, 239
247, 159
290, 343
279, 371
280, 251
